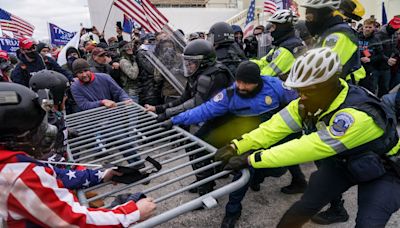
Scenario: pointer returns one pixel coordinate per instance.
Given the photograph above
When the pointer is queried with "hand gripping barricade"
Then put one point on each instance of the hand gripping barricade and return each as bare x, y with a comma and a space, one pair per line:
128, 133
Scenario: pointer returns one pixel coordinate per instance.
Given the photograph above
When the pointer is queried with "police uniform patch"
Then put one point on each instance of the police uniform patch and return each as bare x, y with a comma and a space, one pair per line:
218, 97
331, 40
341, 123
268, 100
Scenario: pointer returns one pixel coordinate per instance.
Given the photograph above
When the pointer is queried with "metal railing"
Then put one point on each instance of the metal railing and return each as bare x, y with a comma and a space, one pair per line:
124, 135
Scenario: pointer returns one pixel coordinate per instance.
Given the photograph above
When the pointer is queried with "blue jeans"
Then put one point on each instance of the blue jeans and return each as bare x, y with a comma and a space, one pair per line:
256, 175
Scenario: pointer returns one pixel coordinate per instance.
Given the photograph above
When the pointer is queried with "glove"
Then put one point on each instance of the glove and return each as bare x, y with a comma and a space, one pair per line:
167, 124
238, 162
123, 198
161, 117
161, 108
225, 153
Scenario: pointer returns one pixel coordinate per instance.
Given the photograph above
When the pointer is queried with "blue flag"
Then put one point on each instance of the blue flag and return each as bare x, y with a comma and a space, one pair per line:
128, 24
59, 36
9, 45
384, 16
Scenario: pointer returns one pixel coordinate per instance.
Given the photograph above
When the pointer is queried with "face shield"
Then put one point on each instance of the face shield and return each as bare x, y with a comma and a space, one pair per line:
191, 64
264, 44
210, 38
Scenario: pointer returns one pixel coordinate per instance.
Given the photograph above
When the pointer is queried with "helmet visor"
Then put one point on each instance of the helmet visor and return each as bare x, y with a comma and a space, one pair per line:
191, 64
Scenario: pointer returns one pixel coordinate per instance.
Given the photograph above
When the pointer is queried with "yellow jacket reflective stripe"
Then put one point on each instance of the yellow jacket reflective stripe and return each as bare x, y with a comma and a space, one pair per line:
345, 49
280, 64
315, 146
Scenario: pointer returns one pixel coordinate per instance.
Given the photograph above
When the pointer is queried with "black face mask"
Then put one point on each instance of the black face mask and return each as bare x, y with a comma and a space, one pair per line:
321, 16
31, 54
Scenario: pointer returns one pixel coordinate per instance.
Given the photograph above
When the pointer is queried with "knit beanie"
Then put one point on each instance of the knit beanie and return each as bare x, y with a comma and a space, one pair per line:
248, 72
80, 65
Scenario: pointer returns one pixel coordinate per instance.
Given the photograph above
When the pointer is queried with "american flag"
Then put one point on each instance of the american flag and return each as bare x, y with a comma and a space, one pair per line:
17, 26
249, 26
144, 13
270, 6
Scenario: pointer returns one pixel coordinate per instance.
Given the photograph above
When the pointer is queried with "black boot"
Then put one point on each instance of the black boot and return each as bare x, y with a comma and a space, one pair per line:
230, 220
296, 186
335, 213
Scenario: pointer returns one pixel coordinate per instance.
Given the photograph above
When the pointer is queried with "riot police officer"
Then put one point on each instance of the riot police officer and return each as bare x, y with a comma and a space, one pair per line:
222, 36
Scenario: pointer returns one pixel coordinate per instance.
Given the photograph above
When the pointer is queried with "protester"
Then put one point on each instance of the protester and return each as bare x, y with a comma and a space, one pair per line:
100, 63
5, 67
36, 194
129, 70
372, 57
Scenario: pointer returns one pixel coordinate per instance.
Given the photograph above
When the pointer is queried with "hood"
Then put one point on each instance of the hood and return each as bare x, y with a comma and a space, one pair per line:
71, 49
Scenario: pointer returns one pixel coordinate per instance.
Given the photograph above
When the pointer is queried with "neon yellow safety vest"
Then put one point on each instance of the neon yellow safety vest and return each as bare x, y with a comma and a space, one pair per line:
327, 141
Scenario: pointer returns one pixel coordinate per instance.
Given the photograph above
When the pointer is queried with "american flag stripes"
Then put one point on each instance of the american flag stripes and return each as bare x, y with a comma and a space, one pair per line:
249, 26
17, 26
144, 13
270, 6
34, 193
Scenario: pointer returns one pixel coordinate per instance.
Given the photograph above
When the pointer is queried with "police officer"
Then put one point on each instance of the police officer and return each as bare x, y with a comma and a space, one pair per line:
251, 100
324, 19
351, 132
206, 77
33, 193
287, 45
222, 36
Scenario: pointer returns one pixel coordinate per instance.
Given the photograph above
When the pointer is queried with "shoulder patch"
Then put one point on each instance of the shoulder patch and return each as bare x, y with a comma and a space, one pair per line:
268, 100
341, 123
218, 97
331, 40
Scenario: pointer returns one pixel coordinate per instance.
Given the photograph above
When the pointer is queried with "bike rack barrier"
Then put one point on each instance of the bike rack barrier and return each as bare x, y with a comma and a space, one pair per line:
107, 134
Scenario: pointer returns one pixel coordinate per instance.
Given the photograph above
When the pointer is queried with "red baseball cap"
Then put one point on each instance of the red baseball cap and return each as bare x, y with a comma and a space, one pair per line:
4, 55
25, 43
395, 22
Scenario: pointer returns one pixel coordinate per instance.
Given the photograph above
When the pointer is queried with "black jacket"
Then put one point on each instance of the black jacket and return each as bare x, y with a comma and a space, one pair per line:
371, 46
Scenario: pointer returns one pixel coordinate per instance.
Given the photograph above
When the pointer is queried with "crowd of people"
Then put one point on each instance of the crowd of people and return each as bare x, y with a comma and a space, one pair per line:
321, 90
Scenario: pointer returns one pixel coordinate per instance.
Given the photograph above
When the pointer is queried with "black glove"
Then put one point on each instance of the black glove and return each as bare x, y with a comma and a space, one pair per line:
161, 117
123, 198
72, 133
161, 108
167, 124
225, 153
238, 162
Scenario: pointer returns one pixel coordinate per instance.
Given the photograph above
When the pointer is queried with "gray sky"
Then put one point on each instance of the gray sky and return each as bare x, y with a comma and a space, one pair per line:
67, 14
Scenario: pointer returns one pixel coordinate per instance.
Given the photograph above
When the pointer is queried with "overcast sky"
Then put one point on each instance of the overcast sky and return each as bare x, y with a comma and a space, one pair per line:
67, 14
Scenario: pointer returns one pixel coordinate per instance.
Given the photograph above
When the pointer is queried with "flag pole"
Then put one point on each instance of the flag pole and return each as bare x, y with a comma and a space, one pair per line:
109, 11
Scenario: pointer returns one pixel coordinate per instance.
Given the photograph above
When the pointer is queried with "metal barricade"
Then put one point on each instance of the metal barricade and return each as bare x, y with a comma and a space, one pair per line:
129, 133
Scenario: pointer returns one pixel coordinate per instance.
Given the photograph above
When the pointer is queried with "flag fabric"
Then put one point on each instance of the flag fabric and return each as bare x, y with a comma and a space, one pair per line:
128, 24
384, 15
74, 42
144, 13
249, 26
17, 26
59, 36
270, 6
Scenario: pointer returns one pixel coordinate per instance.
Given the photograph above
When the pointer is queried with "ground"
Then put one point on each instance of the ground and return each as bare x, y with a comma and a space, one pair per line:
264, 208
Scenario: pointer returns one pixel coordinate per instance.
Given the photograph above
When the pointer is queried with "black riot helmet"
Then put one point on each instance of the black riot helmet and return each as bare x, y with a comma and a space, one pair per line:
198, 54
54, 81
23, 122
221, 33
